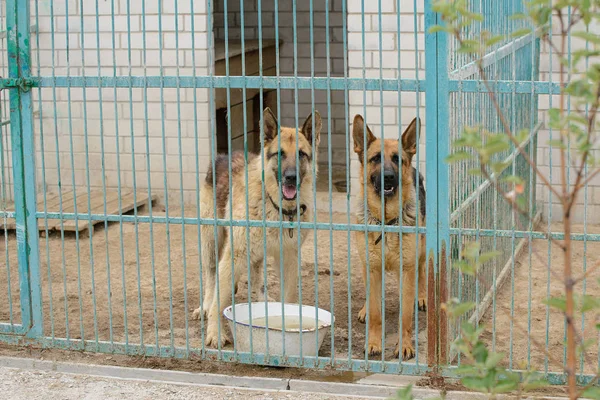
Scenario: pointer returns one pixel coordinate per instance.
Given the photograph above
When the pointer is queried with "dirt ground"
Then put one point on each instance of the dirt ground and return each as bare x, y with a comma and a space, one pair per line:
77, 276
533, 282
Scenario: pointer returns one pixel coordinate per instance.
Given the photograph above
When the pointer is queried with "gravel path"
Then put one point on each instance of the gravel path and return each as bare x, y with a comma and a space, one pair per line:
18, 384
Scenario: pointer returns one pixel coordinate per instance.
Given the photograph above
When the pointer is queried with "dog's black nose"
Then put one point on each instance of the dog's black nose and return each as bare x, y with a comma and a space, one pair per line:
389, 177
289, 176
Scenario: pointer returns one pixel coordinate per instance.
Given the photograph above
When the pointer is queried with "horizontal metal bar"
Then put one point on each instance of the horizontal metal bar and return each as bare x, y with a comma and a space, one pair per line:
472, 68
290, 82
590, 237
12, 329
223, 222
3, 123
528, 87
234, 82
389, 367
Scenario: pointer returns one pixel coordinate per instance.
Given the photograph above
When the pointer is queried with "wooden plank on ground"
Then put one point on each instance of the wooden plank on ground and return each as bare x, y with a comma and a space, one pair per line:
96, 206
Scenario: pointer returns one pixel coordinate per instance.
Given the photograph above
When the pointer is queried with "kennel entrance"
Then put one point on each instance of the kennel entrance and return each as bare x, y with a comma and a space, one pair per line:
145, 112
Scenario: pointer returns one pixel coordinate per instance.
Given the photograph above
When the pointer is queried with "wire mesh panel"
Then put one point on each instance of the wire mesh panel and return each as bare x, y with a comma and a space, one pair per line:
479, 210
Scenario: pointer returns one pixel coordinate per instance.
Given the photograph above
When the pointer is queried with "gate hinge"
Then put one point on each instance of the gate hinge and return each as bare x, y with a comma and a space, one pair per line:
23, 83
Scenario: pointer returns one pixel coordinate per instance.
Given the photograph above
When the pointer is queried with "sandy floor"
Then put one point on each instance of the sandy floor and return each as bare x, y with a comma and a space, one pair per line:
94, 310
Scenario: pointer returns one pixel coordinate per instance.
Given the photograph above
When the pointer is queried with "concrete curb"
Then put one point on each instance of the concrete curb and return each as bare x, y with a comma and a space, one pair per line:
240, 382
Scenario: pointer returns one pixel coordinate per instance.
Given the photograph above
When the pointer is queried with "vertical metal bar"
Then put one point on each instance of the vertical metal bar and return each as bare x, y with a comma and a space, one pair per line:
73, 181
134, 181
330, 180
262, 184
88, 182
348, 175
119, 185
104, 185
415, 303
365, 208
299, 242
383, 216
149, 181
164, 165
24, 172
44, 184
181, 199
437, 204
196, 147
245, 125
230, 199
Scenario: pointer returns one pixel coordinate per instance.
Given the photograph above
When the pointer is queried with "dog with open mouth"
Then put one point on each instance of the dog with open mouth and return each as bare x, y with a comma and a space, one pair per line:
389, 173
287, 177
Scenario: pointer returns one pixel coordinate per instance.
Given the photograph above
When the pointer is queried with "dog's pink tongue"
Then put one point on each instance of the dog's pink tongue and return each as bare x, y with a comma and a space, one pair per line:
289, 191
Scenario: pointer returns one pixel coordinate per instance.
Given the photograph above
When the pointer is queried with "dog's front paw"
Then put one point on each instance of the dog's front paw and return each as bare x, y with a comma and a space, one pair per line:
198, 313
422, 304
374, 348
408, 351
212, 337
362, 315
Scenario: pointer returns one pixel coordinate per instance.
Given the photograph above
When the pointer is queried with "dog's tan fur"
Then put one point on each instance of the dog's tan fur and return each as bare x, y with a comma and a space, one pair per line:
250, 190
409, 250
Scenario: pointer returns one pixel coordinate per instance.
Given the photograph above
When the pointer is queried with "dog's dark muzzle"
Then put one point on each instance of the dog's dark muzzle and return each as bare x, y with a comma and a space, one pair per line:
388, 185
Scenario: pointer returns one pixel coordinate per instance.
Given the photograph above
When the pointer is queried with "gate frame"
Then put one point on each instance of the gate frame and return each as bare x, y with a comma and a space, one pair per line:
24, 172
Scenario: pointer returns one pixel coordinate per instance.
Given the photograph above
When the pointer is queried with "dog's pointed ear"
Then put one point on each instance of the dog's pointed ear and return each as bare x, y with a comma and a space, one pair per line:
358, 133
307, 128
269, 124
410, 137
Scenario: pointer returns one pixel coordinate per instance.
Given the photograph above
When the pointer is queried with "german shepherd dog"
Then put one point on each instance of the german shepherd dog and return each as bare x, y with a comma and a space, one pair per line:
394, 164
287, 190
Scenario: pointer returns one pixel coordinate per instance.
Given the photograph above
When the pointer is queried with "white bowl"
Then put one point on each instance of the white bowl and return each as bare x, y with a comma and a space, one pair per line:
275, 333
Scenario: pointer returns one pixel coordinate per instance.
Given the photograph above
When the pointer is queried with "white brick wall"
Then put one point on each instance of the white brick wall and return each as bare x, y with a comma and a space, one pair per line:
117, 113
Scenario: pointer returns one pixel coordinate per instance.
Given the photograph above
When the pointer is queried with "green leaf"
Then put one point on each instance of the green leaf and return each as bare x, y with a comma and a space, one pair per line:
471, 251
522, 135
518, 16
474, 383
587, 36
459, 156
474, 171
405, 393
490, 255
498, 167
589, 303
557, 302
517, 180
505, 386
480, 352
592, 393
493, 359
465, 267
557, 144
494, 40
438, 28
521, 32
459, 309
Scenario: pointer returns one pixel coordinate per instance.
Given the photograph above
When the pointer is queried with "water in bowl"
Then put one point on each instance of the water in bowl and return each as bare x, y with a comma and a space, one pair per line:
292, 322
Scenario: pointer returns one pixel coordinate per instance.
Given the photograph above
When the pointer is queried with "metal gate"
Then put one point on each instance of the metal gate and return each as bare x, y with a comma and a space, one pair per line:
454, 97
